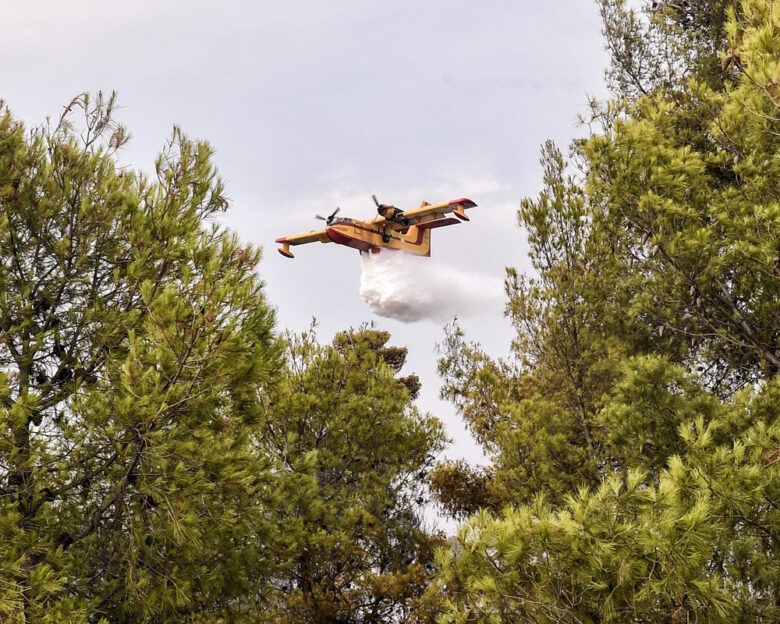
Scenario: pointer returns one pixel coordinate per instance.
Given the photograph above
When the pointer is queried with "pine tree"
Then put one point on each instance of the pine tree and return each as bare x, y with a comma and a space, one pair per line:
356, 453
134, 342
695, 221
536, 414
660, 44
658, 282
700, 545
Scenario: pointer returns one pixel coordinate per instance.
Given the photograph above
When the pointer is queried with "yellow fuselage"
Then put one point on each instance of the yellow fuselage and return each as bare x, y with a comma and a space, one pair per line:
370, 237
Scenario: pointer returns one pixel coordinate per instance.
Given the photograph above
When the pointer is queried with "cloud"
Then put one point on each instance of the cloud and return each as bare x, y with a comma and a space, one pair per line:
411, 288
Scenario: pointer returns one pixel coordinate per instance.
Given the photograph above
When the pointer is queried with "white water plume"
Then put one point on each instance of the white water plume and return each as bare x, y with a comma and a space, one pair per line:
411, 288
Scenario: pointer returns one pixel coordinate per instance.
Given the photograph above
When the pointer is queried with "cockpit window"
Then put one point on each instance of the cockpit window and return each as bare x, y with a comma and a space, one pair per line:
342, 220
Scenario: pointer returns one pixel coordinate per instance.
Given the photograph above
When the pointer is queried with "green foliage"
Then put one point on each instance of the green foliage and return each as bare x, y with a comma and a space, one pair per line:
461, 488
356, 453
646, 409
696, 224
659, 44
536, 414
698, 545
635, 431
134, 338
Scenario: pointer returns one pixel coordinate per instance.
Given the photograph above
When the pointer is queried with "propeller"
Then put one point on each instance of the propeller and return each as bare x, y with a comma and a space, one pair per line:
387, 211
379, 207
329, 219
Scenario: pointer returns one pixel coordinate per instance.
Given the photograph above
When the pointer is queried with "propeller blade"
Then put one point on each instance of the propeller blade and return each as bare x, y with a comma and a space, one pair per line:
376, 201
320, 217
334, 213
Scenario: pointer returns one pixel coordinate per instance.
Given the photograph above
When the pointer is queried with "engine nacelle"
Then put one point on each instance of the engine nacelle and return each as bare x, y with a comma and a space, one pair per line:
391, 213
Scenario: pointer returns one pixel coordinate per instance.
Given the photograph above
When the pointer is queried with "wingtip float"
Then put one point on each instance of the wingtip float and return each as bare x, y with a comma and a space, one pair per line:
400, 230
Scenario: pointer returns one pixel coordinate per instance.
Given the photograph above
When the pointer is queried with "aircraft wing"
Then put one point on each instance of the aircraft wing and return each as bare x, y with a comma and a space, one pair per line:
301, 239
428, 211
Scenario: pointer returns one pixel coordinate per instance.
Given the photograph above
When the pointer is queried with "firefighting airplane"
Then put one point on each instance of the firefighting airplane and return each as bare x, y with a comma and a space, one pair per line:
404, 230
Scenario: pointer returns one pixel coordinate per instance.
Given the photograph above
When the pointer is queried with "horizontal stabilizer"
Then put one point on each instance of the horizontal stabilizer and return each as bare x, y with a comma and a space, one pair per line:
463, 201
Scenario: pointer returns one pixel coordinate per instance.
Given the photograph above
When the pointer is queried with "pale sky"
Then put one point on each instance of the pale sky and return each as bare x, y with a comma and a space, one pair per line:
310, 105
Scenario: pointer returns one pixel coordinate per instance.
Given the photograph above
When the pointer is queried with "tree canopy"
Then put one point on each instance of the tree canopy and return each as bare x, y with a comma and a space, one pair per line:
356, 454
135, 340
634, 432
